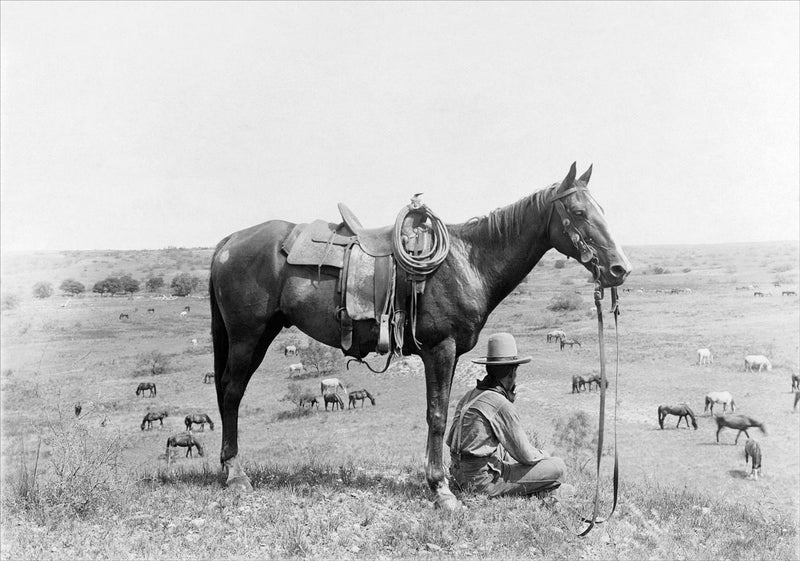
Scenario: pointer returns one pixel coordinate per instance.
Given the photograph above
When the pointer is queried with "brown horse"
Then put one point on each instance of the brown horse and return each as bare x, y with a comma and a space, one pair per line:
198, 419
682, 411
255, 293
186, 440
334, 400
740, 423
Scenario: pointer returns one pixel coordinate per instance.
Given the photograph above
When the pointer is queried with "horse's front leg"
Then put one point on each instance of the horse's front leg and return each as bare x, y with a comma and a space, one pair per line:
440, 364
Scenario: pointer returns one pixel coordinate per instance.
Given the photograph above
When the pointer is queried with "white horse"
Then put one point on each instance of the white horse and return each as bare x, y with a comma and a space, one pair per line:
289, 350
760, 362
556, 335
296, 367
184, 313
333, 385
704, 356
725, 398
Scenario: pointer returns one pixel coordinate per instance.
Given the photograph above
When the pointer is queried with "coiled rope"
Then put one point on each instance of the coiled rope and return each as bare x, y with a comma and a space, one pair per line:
424, 263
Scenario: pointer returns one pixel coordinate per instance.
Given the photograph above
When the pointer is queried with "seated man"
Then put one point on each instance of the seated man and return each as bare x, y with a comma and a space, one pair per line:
486, 427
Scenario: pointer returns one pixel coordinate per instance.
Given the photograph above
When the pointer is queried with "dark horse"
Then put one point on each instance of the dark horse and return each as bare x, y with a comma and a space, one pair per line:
199, 419
740, 423
682, 411
331, 398
359, 394
154, 416
145, 386
185, 440
255, 293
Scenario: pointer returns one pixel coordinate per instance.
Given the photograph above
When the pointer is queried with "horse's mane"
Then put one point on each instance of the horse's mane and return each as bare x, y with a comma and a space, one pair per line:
508, 221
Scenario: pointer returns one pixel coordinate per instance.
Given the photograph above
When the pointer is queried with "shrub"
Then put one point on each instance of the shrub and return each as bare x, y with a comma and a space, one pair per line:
560, 263
154, 362
575, 434
154, 283
184, 284
660, 270
687, 270
42, 290
9, 302
566, 301
71, 286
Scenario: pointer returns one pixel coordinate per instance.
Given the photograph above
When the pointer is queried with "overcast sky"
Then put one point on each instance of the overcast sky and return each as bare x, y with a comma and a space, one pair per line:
147, 125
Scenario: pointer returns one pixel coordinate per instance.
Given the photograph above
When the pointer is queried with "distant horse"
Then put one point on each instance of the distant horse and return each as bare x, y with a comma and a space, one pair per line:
759, 294
795, 382
154, 416
594, 379
570, 342
740, 423
359, 394
704, 356
78, 409
255, 293
752, 452
333, 385
725, 398
184, 313
682, 411
187, 309
151, 310
796, 399
187, 441
760, 362
289, 350
145, 386
208, 378
578, 383
198, 419
124, 316
334, 400
556, 335
309, 397
788, 293
296, 367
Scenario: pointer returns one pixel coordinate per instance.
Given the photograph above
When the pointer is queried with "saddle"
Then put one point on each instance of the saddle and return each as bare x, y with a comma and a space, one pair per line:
370, 286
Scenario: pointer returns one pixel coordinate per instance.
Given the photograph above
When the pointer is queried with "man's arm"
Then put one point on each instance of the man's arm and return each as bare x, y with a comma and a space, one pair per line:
508, 428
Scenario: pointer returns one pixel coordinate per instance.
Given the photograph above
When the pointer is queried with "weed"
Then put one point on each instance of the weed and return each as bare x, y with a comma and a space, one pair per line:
565, 301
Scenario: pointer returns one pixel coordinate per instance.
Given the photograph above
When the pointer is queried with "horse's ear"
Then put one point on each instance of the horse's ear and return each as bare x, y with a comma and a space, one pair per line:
586, 175
569, 179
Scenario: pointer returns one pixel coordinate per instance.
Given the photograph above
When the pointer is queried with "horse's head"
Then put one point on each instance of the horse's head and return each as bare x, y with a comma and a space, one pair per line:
577, 228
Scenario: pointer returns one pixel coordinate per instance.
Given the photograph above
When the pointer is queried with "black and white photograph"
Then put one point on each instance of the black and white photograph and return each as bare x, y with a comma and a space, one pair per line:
392, 280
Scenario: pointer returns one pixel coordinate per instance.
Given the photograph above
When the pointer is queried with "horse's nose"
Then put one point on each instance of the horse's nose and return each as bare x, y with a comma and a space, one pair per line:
619, 271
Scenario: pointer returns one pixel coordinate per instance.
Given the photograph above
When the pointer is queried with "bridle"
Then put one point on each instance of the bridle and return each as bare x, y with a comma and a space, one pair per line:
589, 256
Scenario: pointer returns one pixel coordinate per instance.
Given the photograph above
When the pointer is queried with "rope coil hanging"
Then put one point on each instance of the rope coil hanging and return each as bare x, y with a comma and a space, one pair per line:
427, 262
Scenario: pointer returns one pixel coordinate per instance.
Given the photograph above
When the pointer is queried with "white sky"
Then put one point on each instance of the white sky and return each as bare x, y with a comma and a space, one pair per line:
146, 125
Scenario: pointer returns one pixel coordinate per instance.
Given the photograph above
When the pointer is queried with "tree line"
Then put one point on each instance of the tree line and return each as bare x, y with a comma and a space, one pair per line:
182, 284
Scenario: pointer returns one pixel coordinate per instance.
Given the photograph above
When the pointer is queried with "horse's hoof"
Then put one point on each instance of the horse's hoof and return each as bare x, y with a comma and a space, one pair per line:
241, 484
447, 502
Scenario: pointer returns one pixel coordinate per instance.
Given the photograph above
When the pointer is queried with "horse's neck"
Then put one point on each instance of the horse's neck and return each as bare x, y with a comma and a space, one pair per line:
506, 245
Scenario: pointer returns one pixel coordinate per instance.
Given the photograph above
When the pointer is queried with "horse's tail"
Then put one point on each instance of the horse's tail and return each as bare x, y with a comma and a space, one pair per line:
219, 335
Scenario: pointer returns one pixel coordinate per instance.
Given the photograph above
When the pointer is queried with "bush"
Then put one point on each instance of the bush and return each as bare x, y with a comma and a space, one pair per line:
42, 290
71, 286
660, 270
184, 284
109, 285
154, 283
566, 301
575, 434
560, 263
154, 362
9, 302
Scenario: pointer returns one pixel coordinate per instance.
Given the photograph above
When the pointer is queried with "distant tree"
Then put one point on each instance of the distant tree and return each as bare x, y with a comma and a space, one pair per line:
183, 284
129, 284
42, 290
154, 283
321, 358
71, 286
109, 285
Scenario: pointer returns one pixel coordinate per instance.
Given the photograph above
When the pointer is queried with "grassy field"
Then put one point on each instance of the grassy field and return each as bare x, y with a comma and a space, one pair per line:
350, 484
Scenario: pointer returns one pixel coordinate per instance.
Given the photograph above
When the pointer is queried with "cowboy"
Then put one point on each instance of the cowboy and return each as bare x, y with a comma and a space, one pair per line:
487, 430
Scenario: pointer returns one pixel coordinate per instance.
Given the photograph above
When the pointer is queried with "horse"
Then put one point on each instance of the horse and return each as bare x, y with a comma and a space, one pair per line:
578, 383
725, 398
556, 335
308, 397
740, 423
187, 309
795, 382
151, 416
788, 293
570, 342
333, 399
752, 452
124, 316
296, 368
593, 379
183, 314
759, 294
682, 411
255, 293
151, 310
704, 356
756, 361
78, 409
145, 386
331, 385
289, 350
186, 440
359, 394
198, 419
796, 399
208, 378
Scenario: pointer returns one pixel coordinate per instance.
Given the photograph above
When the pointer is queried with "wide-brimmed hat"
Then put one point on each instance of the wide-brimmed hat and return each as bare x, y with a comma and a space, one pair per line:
502, 349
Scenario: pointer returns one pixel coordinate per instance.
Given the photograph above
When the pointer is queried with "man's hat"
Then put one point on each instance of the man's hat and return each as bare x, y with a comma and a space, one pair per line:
502, 349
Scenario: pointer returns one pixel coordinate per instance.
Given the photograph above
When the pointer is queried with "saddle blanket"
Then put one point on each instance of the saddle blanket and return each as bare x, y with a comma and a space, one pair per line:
360, 298
305, 245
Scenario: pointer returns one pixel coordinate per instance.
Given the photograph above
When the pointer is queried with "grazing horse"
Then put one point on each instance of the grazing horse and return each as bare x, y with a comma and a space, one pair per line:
333, 385
151, 310
570, 342
334, 400
759, 294
186, 440
752, 452
78, 409
556, 335
208, 378
725, 398
578, 383
704, 356
296, 368
740, 423
184, 313
760, 362
289, 350
124, 316
255, 293
359, 394
682, 411
308, 397
788, 293
198, 419
593, 379
145, 386
154, 416
795, 382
